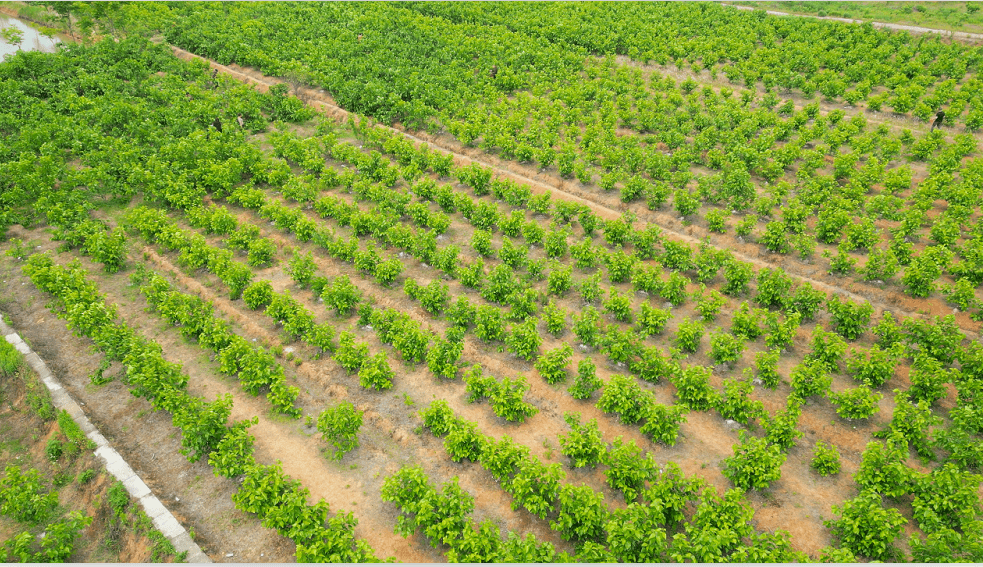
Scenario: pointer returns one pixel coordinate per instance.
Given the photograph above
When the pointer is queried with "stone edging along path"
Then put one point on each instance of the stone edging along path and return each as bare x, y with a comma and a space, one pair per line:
115, 464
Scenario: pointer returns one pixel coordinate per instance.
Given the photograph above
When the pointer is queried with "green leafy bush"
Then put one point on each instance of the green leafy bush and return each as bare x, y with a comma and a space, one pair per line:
874, 367
662, 422
774, 287
912, 421
806, 301
628, 468
489, 325
508, 400
781, 333
849, 319
583, 445
351, 355
855, 403
725, 347
827, 349
619, 306
552, 365
375, 373
865, 527
443, 354
928, 379
560, 280
766, 364
581, 514
585, 326
688, 335
555, 319
673, 289
342, 295
234, 453
586, 382
339, 425
756, 463
524, 340
780, 428
652, 320
54, 449
464, 442
825, 459
10, 360
709, 304
301, 268
258, 294
24, 497
738, 275
693, 388
746, 322
623, 396
736, 403
438, 417
947, 498
882, 468
809, 379
590, 288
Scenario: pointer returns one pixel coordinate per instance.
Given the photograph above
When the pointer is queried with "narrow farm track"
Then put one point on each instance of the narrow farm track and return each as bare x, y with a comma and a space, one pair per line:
403, 447
883, 25
891, 301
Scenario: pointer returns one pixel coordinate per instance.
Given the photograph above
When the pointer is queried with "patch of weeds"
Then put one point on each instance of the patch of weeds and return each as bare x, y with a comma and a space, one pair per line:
63, 479
408, 400
11, 360
54, 449
86, 476
39, 400
118, 498
98, 377
162, 548
17, 249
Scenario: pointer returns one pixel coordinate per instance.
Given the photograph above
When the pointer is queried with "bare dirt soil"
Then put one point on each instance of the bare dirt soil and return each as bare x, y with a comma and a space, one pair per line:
146, 439
390, 439
24, 439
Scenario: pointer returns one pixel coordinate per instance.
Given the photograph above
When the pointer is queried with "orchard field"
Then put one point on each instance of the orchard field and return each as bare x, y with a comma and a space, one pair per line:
512, 281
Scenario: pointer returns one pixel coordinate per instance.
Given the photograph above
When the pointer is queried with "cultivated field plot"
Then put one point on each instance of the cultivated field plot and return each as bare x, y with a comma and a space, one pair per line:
516, 282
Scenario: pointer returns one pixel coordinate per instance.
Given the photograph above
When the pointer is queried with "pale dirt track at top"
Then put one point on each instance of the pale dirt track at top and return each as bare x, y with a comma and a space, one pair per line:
885, 25
328, 107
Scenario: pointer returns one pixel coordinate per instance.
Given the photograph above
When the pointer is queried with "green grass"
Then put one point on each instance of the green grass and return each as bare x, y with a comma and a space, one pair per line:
942, 15
10, 359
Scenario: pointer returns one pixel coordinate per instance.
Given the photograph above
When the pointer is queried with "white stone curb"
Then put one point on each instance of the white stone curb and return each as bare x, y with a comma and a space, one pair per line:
115, 464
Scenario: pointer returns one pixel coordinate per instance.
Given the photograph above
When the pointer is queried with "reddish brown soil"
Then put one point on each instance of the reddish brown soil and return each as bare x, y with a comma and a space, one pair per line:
24, 438
797, 503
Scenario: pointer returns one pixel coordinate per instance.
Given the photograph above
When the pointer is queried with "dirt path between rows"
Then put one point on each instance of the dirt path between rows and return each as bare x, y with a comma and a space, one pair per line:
150, 444
391, 445
706, 439
883, 300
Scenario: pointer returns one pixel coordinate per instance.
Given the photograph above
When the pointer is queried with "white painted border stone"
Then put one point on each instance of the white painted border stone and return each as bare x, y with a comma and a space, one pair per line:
115, 464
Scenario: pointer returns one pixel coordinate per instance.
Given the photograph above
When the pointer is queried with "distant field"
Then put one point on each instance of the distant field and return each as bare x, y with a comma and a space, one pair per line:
956, 16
